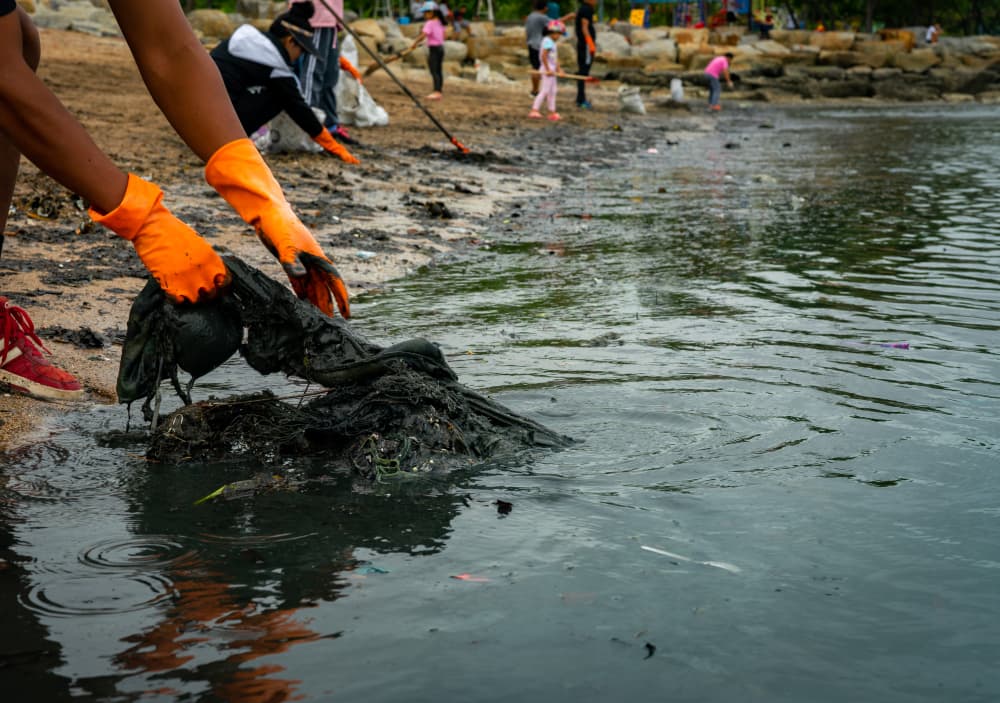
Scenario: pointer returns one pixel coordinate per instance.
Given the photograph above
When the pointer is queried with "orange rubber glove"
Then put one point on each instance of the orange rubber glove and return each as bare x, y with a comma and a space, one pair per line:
184, 264
349, 67
332, 146
591, 46
239, 173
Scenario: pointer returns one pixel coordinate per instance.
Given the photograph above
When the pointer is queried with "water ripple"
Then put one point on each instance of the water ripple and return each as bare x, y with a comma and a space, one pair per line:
102, 594
148, 552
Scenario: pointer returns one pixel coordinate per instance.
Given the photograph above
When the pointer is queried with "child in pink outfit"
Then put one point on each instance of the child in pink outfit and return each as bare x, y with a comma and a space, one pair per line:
433, 32
548, 55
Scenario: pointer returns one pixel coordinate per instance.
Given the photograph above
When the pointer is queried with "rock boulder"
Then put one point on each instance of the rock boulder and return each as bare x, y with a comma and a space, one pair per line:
613, 44
369, 29
212, 23
657, 50
832, 41
917, 61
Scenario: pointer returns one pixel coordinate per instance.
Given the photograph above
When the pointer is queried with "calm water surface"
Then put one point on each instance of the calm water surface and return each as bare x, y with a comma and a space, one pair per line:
767, 503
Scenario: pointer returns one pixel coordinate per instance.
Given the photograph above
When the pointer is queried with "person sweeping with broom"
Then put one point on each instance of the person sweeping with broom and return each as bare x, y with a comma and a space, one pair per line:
186, 86
433, 32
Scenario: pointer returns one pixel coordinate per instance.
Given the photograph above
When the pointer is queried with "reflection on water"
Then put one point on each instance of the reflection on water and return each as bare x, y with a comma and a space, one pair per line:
776, 341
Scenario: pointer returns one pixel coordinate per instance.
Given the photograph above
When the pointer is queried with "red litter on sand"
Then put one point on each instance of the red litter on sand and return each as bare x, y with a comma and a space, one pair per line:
470, 577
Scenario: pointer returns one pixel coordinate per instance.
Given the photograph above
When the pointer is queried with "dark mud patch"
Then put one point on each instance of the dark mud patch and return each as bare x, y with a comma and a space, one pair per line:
476, 158
433, 209
103, 262
82, 337
375, 240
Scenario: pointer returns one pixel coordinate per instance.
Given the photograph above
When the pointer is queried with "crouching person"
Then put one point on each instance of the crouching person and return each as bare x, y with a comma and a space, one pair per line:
258, 69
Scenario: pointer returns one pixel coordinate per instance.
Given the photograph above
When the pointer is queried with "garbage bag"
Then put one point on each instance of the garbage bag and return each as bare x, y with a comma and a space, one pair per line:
380, 411
676, 90
282, 136
355, 106
630, 99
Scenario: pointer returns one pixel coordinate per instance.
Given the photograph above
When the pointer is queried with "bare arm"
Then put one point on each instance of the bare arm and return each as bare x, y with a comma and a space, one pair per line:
10, 157
416, 42
179, 73
35, 123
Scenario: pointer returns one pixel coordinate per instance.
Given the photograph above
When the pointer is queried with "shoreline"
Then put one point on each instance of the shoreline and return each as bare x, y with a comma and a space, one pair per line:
410, 203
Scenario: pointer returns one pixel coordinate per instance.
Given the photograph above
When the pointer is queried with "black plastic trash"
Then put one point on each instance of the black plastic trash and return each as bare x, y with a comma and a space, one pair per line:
387, 411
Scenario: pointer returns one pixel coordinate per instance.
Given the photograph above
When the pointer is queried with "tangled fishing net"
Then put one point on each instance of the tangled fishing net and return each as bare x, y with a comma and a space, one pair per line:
383, 411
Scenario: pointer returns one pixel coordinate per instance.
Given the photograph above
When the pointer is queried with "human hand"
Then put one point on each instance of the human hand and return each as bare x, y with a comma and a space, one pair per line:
349, 67
332, 146
238, 172
184, 264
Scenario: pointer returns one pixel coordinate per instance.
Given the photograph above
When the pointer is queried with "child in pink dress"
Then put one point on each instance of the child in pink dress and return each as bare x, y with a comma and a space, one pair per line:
548, 55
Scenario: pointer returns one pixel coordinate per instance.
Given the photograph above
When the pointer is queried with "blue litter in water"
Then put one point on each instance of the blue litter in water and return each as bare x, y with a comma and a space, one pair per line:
369, 569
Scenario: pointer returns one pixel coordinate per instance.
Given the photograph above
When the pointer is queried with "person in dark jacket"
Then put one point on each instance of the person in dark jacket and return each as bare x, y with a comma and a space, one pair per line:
586, 48
258, 71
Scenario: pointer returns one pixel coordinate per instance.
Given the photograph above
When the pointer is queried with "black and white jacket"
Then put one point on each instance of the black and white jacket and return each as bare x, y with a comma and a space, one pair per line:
261, 82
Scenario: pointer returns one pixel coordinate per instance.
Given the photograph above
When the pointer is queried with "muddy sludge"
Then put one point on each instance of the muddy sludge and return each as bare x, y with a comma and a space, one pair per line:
378, 411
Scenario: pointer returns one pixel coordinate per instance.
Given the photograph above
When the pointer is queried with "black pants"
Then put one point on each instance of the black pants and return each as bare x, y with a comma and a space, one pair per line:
435, 57
583, 59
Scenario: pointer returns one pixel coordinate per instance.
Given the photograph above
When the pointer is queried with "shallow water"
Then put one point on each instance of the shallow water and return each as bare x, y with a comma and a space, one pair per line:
767, 503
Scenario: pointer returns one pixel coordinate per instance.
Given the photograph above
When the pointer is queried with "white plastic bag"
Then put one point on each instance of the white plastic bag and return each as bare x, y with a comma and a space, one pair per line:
630, 100
354, 104
282, 135
676, 90
482, 72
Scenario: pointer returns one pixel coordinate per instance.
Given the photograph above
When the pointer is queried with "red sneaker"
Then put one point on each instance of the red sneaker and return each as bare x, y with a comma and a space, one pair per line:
22, 365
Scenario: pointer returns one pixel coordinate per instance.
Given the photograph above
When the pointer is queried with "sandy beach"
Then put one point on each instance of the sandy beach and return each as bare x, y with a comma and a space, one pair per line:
378, 221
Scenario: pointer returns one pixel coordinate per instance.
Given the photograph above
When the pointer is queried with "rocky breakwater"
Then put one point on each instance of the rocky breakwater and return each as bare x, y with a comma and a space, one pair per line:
791, 65
795, 65
94, 17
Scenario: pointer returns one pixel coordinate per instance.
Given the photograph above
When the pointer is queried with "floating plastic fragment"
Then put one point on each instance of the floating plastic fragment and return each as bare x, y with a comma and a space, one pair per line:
470, 577
717, 564
369, 569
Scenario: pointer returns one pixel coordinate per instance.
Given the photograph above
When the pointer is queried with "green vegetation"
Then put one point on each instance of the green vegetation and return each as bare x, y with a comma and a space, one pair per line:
224, 5
955, 16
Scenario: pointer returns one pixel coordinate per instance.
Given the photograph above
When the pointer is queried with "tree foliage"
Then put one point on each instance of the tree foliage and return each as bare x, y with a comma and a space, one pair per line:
955, 16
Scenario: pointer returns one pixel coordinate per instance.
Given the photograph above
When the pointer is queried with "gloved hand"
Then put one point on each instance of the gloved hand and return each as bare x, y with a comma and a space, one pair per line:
184, 264
349, 67
240, 175
591, 46
332, 146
